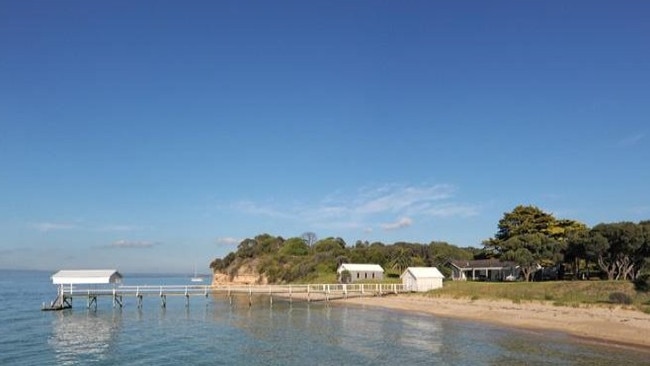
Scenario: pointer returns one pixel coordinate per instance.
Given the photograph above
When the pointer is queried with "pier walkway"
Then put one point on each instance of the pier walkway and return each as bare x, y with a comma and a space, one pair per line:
304, 292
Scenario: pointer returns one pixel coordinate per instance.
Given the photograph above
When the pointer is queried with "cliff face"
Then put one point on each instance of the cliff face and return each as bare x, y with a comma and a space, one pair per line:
241, 273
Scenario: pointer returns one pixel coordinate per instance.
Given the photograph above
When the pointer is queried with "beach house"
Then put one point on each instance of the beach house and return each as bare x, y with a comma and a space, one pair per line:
483, 270
353, 272
421, 279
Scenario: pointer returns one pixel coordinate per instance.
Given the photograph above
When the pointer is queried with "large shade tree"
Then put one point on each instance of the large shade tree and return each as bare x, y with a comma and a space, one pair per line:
531, 251
625, 252
584, 247
531, 238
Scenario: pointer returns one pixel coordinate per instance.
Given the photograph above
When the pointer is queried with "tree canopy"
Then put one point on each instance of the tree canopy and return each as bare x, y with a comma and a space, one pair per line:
293, 260
528, 236
534, 239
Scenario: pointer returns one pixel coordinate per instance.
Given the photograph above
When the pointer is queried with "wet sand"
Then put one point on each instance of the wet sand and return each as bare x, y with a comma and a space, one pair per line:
600, 323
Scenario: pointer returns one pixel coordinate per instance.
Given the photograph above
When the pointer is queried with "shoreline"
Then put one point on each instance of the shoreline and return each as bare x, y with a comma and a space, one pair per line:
613, 326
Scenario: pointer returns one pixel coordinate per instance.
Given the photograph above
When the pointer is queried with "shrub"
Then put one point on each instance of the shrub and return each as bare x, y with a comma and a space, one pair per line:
294, 246
642, 283
620, 298
346, 277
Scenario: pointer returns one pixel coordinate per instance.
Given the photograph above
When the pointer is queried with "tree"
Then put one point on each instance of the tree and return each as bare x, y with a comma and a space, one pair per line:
217, 265
346, 276
626, 251
401, 259
309, 238
597, 249
334, 245
377, 253
524, 220
267, 244
246, 249
441, 253
530, 237
530, 251
561, 229
295, 247
576, 250
341, 259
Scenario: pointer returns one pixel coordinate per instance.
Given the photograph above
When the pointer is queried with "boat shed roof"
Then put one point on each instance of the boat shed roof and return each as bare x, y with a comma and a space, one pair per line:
354, 267
423, 272
86, 276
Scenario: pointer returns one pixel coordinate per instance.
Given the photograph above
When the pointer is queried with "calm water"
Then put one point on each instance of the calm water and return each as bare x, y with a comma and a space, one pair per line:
213, 332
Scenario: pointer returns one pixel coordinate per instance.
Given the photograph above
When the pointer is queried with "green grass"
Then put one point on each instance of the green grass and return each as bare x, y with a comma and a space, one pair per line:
560, 293
322, 277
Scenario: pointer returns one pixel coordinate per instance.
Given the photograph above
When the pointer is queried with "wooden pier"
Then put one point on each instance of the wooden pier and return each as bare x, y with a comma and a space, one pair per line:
305, 292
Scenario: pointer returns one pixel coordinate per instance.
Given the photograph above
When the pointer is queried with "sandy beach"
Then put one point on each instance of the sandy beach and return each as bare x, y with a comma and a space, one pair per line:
612, 325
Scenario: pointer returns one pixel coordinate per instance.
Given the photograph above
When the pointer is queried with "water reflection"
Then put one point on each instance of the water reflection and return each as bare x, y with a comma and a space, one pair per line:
83, 337
421, 333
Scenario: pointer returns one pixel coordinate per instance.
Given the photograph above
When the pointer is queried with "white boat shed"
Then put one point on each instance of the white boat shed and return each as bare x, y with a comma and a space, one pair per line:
422, 279
360, 272
86, 277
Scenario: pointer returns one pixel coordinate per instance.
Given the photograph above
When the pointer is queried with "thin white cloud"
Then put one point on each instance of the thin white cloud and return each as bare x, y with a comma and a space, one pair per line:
399, 224
631, 140
132, 244
368, 208
450, 210
118, 228
80, 225
228, 241
397, 198
53, 226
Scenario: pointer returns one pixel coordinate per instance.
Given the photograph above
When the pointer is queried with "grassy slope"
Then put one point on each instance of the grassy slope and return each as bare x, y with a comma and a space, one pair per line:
562, 293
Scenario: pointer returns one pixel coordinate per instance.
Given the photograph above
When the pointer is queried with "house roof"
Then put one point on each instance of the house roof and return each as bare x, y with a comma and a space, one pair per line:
482, 263
355, 267
423, 272
91, 276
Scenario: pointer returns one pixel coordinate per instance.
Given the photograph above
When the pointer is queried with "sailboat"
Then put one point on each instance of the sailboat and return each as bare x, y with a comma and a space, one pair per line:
196, 277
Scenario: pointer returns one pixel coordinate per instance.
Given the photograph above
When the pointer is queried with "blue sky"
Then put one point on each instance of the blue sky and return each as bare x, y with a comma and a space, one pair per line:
154, 136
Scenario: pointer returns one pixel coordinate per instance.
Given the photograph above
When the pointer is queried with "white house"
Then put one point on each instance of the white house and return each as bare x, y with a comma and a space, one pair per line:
360, 272
483, 270
422, 279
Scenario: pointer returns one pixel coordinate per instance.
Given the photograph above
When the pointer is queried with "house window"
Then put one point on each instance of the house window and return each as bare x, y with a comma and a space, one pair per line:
365, 275
373, 275
357, 274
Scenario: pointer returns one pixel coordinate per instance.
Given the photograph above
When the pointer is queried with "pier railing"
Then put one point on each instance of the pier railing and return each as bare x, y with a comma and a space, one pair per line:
306, 292
366, 289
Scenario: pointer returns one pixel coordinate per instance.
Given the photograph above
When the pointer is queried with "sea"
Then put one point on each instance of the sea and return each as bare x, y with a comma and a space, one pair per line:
216, 331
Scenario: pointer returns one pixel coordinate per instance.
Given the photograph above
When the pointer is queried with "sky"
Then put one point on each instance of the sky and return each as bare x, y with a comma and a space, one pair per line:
154, 136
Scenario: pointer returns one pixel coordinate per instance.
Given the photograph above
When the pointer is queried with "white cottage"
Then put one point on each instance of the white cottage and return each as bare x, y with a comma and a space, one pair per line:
360, 272
422, 279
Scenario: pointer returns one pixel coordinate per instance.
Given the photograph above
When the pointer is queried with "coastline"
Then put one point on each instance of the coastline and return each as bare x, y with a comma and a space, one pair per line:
613, 325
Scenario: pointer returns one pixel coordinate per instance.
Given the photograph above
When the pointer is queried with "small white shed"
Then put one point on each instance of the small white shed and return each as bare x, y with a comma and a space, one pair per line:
360, 272
86, 277
422, 279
